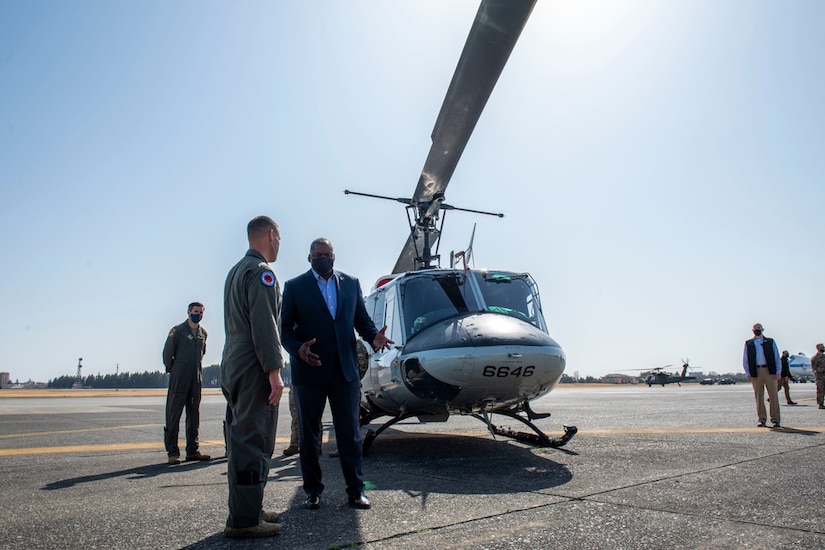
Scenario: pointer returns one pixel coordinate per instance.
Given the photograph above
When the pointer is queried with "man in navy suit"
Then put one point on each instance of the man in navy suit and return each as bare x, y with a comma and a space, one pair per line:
321, 311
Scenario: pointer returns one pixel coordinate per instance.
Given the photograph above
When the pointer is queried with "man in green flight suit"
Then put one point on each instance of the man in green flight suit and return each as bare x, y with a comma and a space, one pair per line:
182, 355
251, 380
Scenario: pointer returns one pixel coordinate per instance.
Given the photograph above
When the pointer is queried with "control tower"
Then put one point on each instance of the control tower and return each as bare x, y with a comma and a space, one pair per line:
78, 383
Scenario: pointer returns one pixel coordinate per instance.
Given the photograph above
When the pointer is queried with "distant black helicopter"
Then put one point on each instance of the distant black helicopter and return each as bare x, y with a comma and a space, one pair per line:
659, 376
467, 341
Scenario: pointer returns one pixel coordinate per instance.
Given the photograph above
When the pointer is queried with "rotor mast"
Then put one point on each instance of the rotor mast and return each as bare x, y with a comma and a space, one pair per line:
423, 224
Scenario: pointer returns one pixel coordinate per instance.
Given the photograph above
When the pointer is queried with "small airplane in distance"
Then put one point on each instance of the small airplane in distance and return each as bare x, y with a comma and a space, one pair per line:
800, 367
662, 377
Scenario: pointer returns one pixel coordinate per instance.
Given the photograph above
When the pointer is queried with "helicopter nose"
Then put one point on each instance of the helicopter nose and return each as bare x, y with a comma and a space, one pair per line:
479, 330
498, 330
481, 356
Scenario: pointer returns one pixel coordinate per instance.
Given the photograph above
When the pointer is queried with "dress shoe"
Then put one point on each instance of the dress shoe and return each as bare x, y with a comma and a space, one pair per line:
291, 450
263, 529
270, 517
313, 502
197, 456
761, 424
361, 502
776, 425
791, 402
174, 459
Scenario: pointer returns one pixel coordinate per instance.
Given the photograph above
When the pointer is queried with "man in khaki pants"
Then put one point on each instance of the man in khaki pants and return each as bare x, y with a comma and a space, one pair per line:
761, 363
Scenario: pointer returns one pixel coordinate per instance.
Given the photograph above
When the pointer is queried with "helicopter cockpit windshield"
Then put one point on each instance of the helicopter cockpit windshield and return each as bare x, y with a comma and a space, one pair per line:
513, 294
428, 299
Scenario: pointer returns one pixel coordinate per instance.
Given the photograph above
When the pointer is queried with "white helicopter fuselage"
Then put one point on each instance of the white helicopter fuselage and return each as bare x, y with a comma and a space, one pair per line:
465, 342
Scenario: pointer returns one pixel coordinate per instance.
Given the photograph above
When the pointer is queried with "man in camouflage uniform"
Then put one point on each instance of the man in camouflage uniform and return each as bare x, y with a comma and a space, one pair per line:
292, 449
818, 367
182, 355
251, 380
363, 358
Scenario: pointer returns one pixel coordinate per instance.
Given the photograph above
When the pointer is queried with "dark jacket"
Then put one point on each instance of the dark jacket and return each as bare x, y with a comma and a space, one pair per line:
769, 347
305, 316
786, 367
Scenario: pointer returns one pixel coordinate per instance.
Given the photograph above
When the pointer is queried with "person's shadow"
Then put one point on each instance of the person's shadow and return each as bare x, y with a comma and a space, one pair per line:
138, 472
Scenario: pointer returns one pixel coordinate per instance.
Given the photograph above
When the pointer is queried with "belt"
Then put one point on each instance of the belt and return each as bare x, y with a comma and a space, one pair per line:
761, 366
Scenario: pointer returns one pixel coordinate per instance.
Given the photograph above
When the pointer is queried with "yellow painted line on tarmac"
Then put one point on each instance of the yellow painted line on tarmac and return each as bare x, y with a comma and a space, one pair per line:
82, 430
81, 449
41, 393
158, 446
108, 447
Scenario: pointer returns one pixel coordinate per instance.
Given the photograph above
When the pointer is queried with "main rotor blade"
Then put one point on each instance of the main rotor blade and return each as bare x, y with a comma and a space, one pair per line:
494, 33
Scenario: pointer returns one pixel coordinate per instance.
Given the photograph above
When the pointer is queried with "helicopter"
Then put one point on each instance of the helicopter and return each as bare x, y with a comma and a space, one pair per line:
659, 376
467, 341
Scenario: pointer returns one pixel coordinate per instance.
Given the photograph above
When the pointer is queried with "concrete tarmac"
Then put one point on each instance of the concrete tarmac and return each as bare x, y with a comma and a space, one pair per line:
660, 467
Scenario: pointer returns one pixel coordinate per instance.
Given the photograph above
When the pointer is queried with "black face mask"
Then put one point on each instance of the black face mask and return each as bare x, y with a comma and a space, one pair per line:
757, 333
322, 266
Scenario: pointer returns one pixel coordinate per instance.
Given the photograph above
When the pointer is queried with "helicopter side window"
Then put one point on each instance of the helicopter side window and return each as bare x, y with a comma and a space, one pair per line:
375, 306
429, 299
392, 319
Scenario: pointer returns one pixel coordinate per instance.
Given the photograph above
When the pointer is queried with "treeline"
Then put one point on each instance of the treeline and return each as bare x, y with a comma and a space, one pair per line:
586, 380
211, 379
157, 379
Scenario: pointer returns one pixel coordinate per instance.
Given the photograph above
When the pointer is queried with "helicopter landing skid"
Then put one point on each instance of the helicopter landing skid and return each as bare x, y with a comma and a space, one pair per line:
538, 439
372, 434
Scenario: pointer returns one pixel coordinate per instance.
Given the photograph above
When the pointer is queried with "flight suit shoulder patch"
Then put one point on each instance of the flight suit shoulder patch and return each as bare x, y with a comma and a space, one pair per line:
268, 278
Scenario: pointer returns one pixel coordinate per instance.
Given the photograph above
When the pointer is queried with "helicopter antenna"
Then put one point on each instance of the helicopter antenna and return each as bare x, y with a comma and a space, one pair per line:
469, 255
465, 255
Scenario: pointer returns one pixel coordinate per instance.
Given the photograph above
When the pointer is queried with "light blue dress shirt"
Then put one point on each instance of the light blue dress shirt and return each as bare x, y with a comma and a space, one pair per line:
329, 290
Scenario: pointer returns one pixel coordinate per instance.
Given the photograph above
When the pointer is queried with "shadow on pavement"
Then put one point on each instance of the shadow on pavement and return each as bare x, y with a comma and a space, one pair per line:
139, 472
458, 464
799, 431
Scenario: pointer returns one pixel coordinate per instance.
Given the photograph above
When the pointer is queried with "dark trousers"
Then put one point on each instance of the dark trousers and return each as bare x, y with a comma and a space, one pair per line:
783, 383
176, 402
250, 436
344, 398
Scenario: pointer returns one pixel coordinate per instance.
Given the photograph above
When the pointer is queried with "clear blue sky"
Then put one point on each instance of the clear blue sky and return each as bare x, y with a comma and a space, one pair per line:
660, 166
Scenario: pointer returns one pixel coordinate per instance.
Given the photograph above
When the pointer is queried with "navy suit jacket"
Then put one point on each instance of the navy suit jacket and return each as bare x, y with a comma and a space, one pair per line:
304, 316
